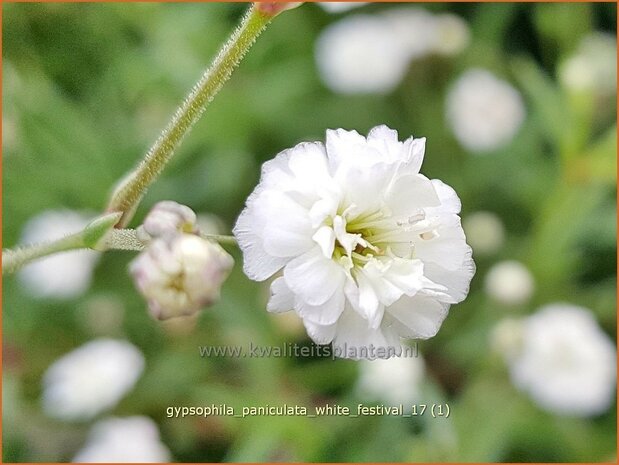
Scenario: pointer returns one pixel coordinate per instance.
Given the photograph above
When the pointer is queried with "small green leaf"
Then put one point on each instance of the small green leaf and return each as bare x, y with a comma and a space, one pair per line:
94, 234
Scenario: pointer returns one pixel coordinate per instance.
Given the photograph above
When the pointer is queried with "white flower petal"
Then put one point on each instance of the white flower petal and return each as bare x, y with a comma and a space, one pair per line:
377, 276
413, 150
257, 264
450, 202
368, 306
282, 298
341, 145
324, 314
447, 248
320, 334
385, 140
313, 277
288, 234
359, 230
325, 238
420, 316
354, 337
456, 282
406, 275
410, 193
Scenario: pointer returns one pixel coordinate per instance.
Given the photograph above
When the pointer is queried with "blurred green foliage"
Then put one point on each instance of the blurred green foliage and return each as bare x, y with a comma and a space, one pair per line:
87, 87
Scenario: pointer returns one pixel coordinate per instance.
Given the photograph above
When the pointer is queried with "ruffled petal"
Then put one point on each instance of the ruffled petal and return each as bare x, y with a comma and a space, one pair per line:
324, 314
257, 263
410, 194
450, 202
320, 334
446, 247
341, 146
313, 277
282, 298
356, 340
289, 233
419, 317
456, 282
325, 238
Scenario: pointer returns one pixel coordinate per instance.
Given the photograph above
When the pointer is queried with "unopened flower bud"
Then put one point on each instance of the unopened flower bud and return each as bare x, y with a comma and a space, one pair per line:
275, 8
168, 217
180, 274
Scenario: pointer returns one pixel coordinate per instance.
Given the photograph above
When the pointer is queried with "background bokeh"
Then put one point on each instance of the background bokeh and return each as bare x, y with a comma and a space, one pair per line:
87, 87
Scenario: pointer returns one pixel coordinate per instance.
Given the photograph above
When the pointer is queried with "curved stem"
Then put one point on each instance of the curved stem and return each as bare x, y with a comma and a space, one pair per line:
130, 191
116, 239
13, 260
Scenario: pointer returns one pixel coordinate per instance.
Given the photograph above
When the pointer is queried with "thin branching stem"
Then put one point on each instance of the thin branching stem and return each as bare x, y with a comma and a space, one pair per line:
130, 191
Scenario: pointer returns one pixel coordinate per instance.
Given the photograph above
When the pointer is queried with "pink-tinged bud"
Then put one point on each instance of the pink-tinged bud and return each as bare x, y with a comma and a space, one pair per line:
274, 8
180, 274
166, 218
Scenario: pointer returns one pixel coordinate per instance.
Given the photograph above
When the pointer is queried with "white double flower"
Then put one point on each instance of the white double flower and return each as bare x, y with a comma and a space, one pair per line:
371, 250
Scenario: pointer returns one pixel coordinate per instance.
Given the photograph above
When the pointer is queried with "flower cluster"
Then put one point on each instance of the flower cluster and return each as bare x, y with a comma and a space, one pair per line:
593, 67
371, 250
179, 272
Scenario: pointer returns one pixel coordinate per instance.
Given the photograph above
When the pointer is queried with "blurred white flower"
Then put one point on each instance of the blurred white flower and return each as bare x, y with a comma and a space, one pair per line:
485, 232
340, 7
91, 379
483, 111
510, 283
365, 54
124, 440
423, 33
452, 34
371, 249
180, 274
361, 55
64, 275
593, 68
566, 362
414, 29
394, 381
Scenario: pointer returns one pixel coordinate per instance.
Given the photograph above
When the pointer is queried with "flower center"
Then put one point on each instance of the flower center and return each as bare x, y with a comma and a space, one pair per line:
375, 234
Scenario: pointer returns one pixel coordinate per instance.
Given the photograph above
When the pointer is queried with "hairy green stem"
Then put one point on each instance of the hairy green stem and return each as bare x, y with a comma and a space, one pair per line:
116, 239
128, 239
13, 260
130, 191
